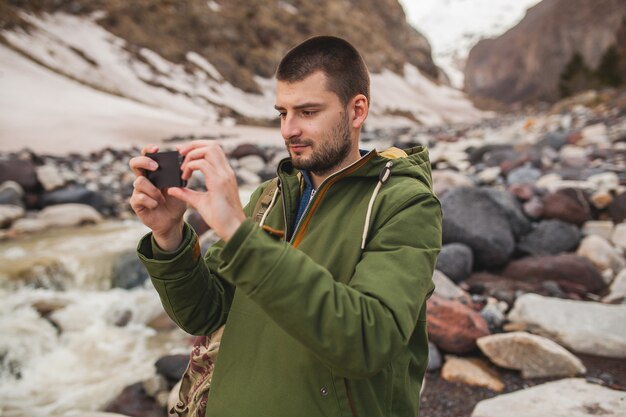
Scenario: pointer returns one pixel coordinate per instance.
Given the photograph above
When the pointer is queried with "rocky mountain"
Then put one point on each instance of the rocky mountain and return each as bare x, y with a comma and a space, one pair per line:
214, 60
559, 48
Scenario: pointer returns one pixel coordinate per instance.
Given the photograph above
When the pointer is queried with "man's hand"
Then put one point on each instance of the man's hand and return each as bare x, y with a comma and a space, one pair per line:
159, 211
220, 206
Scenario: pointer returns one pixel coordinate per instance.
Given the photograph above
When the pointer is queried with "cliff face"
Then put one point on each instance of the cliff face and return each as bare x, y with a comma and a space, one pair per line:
560, 46
244, 38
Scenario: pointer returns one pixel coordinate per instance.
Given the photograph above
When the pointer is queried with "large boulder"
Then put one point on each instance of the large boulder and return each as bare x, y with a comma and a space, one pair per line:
453, 326
617, 291
550, 237
533, 355
508, 204
11, 193
456, 260
583, 326
572, 272
79, 195
22, 171
572, 397
471, 217
63, 215
617, 208
10, 213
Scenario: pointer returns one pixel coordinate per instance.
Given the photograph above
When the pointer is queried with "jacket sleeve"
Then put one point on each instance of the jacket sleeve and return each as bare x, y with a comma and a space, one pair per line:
192, 292
356, 329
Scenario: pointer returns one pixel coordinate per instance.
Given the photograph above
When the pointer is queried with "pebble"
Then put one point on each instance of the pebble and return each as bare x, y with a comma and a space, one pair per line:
471, 371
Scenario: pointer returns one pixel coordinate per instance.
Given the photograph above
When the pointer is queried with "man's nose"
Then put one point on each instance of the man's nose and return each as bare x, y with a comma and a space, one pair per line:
290, 128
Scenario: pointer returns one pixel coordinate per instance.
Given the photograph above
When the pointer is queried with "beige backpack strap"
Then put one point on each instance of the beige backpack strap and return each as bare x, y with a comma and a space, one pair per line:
265, 200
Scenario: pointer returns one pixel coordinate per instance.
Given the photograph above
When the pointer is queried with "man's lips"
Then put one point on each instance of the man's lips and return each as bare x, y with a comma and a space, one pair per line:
298, 147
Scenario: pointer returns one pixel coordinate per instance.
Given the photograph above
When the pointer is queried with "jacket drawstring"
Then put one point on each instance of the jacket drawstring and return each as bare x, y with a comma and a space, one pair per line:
382, 179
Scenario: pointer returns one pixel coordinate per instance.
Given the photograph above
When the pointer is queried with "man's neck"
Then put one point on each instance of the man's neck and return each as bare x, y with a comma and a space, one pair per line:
318, 178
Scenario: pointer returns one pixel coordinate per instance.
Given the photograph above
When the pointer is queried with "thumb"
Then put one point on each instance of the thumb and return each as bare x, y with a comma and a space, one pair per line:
190, 197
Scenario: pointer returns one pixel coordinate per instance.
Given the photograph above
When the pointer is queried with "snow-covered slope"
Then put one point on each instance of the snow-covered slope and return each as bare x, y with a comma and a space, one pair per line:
453, 27
68, 79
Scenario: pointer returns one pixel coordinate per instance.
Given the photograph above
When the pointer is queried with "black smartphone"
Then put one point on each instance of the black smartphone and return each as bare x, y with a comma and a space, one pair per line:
168, 174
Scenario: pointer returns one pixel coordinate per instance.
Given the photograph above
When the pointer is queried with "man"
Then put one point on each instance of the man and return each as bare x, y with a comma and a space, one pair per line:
324, 302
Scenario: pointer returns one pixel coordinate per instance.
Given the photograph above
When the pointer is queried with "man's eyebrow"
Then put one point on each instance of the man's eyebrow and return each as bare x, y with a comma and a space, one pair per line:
301, 106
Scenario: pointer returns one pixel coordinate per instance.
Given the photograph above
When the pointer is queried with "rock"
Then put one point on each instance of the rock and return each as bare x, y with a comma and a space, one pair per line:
471, 371
550, 237
583, 326
534, 356
453, 326
252, 163
245, 176
606, 181
471, 217
602, 228
555, 140
22, 171
79, 195
172, 367
154, 385
600, 252
501, 288
196, 221
208, 239
618, 237
522, 192
520, 225
572, 397
11, 193
594, 135
9, 214
489, 175
445, 288
443, 180
134, 401
456, 261
128, 272
533, 208
572, 272
493, 313
434, 357
601, 199
617, 291
573, 156
568, 205
523, 175
28, 226
246, 149
478, 155
50, 177
162, 322
63, 215
617, 208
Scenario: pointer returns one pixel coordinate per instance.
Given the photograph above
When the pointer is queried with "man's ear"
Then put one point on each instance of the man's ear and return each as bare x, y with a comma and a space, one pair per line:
360, 110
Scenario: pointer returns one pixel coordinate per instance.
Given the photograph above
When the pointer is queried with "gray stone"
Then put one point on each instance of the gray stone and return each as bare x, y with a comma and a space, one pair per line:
128, 271
9, 214
80, 195
11, 193
22, 171
534, 356
445, 288
253, 163
550, 237
444, 180
583, 326
471, 217
618, 237
456, 260
617, 291
50, 177
434, 357
493, 313
601, 253
63, 215
523, 175
508, 204
572, 397
602, 228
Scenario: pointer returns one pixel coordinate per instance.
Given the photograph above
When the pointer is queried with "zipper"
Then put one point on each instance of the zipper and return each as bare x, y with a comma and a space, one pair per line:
321, 190
349, 394
282, 198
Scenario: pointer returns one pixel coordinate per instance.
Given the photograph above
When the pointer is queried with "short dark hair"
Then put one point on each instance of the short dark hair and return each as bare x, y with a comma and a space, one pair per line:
342, 64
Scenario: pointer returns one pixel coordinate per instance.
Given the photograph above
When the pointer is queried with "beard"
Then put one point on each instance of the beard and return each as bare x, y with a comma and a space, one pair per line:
329, 152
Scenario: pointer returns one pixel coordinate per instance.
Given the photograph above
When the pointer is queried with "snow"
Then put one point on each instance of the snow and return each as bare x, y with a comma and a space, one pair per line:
454, 26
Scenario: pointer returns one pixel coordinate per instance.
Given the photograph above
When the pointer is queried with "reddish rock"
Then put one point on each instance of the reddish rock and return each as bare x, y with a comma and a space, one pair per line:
523, 192
453, 326
569, 205
573, 273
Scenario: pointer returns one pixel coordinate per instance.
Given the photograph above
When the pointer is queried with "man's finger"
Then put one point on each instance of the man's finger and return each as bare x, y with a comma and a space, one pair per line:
150, 149
144, 186
198, 165
139, 164
140, 200
190, 197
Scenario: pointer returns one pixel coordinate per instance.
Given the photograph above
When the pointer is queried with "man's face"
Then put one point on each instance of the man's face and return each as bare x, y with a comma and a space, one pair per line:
314, 124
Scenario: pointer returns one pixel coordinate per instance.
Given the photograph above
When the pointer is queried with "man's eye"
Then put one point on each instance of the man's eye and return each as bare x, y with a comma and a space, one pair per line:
308, 113
282, 115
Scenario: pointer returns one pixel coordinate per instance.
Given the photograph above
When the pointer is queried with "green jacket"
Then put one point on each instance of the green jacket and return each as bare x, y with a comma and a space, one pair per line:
316, 326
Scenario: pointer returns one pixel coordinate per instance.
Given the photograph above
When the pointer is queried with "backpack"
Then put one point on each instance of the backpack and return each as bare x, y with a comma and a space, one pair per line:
195, 384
